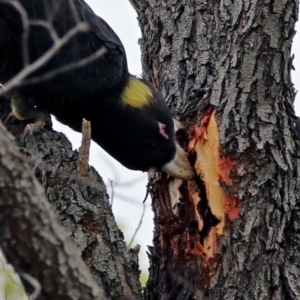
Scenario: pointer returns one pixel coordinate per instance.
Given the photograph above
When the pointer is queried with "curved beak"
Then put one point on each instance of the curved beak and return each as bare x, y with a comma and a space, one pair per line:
179, 167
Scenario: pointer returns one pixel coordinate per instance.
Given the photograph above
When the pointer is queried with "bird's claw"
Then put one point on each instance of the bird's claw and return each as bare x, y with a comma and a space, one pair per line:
31, 128
38, 124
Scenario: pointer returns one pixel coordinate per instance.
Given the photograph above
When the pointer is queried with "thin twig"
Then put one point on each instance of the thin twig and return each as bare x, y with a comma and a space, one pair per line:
138, 227
46, 25
84, 150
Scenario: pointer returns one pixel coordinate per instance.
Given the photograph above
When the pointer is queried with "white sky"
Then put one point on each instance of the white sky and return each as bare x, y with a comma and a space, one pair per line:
127, 205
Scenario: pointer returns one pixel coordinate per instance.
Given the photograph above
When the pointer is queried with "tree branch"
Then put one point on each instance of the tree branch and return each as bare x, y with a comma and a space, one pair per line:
83, 209
30, 235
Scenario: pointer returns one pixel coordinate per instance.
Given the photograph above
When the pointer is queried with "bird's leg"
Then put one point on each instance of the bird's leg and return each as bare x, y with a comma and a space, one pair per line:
23, 109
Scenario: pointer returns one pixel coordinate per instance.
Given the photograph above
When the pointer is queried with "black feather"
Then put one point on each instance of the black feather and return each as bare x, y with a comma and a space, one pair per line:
93, 91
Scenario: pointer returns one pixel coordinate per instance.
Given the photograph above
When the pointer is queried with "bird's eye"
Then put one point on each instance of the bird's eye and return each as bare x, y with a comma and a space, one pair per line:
162, 130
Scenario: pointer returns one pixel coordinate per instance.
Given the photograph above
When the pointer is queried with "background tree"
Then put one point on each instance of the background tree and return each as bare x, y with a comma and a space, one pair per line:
224, 68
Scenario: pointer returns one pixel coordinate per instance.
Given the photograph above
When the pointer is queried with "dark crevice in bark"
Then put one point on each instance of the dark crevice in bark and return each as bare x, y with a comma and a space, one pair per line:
209, 220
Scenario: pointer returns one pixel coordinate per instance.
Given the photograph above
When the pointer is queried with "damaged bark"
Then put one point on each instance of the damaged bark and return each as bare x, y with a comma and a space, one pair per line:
224, 68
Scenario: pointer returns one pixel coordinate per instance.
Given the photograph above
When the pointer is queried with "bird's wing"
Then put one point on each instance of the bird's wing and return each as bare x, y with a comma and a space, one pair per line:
100, 75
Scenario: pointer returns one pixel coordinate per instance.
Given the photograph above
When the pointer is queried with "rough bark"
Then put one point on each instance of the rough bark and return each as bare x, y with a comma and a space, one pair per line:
83, 209
234, 58
31, 236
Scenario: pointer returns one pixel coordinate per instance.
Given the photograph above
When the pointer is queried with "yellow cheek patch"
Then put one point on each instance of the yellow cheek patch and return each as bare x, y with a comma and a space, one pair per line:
136, 93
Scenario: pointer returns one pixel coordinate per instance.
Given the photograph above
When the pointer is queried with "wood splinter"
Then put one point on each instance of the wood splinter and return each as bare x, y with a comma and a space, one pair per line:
84, 150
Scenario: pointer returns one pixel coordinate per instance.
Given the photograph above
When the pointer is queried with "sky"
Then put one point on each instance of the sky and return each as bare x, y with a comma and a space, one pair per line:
129, 186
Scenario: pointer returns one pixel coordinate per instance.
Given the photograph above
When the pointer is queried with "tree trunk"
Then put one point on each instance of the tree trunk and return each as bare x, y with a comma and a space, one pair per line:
224, 68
